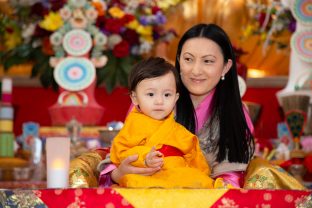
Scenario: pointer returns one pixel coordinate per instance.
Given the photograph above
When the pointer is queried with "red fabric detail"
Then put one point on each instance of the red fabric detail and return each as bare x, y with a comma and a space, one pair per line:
308, 162
27, 100
271, 112
103, 152
168, 150
261, 198
293, 161
32, 103
82, 198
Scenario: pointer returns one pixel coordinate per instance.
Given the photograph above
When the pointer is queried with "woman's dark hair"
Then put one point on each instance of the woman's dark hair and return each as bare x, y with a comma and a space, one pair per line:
235, 141
150, 68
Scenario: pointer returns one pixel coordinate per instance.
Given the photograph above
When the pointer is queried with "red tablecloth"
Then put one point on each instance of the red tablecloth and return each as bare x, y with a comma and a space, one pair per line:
118, 197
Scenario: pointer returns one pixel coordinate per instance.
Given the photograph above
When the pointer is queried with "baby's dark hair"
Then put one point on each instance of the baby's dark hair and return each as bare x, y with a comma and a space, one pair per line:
150, 68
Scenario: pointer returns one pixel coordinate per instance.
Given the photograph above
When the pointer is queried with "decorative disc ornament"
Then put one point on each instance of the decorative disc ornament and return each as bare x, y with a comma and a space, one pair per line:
302, 10
242, 86
301, 42
77, 42
74, 74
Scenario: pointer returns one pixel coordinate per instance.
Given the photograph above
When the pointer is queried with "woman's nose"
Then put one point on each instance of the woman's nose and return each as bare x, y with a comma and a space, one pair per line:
196, 69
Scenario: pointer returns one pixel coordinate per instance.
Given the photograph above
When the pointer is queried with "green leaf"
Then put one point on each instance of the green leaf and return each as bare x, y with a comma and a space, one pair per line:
13, 60
23, 50
46, 77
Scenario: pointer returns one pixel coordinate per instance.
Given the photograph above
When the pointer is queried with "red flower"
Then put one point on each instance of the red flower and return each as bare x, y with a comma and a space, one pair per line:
113, 25
131, 36
39, 10
47, 47
121, 49
155, 9
262, 17
100, 22
127, 18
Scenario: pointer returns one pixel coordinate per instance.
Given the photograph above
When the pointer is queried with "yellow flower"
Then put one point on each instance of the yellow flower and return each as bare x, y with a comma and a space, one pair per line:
144, 30
51, 22
148, 38
12, 40
248, 31
263, 36
148, 10
116, 12
133, 24
165, 4
141, 29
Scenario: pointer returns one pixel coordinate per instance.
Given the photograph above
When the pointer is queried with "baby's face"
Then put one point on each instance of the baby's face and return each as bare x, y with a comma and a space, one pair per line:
156, 96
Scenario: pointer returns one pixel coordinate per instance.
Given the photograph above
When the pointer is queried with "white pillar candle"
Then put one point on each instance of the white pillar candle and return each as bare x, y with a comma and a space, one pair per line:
58, 156
6, 85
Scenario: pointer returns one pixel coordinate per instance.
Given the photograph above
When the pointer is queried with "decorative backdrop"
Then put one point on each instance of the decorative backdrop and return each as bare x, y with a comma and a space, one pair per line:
131, 28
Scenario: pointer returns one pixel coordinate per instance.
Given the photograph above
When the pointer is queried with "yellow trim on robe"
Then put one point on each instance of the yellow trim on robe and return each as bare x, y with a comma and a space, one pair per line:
171, 198
140, 133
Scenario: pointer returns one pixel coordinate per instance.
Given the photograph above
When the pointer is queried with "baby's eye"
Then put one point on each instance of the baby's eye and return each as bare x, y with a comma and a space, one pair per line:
168, 94
150, 94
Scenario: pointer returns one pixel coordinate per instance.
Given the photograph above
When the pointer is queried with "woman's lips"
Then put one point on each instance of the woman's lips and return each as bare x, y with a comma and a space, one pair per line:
196, 80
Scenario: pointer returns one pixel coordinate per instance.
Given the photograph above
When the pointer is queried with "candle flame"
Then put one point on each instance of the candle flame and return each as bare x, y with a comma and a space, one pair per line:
58, 164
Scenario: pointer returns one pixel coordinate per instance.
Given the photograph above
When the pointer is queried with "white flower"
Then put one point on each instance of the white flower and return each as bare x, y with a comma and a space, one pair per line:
56, 38
145, 47
54, 61
100, 39
77, 3
91, 14
132, 6
99, 61
113, 40
135, 50
28, 31
65, 13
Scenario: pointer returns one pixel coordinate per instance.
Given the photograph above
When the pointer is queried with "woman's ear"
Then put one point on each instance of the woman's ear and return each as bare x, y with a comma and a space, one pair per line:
227, 67
134, 98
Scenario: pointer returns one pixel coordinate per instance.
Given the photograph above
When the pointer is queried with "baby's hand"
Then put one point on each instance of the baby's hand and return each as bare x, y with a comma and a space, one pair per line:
154, 159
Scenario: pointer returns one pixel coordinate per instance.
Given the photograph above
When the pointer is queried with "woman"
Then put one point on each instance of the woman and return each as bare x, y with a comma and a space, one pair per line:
210, 106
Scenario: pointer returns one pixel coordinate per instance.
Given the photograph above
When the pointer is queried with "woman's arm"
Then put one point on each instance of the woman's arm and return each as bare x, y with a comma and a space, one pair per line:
125, 167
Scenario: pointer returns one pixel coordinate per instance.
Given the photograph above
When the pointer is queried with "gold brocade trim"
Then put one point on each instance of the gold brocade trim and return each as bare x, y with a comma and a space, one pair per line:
263, 175
20, 199
304, 202
83, 172
171, 198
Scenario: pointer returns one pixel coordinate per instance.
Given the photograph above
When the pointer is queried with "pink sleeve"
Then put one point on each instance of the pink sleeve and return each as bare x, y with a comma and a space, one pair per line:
248, 119
130, 108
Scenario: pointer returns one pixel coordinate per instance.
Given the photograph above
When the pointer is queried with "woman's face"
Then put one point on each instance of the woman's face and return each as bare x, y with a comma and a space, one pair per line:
202, 65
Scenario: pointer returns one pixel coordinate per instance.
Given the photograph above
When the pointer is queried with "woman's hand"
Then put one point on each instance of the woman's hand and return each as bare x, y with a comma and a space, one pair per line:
154, 159
125, 167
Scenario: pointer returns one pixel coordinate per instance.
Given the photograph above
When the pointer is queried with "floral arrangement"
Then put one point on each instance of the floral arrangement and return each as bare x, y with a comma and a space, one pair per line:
271, 22
30, 33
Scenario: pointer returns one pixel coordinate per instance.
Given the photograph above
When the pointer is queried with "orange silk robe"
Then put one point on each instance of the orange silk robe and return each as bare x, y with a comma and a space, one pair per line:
140, 133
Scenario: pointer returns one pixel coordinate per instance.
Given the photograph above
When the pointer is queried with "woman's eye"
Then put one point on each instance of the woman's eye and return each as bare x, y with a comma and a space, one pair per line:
187, 59
208, 61
150, 94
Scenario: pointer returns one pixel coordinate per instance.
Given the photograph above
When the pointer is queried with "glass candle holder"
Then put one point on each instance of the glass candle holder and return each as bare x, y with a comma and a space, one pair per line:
58, 156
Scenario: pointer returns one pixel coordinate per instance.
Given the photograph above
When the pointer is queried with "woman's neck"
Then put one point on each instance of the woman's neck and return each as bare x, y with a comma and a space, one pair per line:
196, 100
